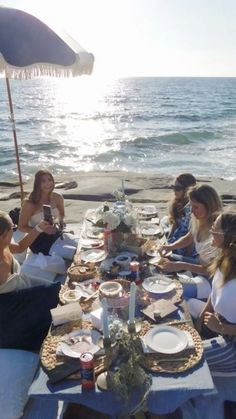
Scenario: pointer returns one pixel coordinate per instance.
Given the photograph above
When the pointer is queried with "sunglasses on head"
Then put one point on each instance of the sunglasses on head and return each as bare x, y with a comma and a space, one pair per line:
177, 188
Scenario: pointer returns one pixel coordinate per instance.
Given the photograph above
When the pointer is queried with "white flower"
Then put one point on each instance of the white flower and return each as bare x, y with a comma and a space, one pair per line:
130, 220
119, 195
111, 219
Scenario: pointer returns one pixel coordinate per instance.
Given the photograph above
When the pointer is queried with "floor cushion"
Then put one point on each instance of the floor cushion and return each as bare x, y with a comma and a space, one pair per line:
17, 372
25, 316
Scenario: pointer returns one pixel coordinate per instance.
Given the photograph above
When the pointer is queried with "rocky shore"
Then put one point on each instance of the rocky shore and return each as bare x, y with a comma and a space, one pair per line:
87, 190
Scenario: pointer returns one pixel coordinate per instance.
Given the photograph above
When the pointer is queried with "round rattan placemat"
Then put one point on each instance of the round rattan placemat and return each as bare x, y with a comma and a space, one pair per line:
49, 358
174, 363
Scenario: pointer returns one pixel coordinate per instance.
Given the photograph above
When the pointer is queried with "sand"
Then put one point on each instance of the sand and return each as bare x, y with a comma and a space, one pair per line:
86, 190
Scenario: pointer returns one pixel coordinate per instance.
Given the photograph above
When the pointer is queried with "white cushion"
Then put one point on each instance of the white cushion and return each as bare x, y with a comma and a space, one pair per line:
17, 372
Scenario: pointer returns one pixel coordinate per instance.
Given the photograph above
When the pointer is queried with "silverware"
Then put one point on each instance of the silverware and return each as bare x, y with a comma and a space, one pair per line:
177, 322
171, 360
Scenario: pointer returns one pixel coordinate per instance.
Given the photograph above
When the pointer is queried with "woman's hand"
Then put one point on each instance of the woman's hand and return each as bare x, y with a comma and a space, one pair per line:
212, 322
167, 265
164, 249
47, 227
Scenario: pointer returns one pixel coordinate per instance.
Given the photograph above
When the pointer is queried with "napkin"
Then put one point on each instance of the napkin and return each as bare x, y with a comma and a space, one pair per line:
148, 350
66, 313
77, 342
161, 308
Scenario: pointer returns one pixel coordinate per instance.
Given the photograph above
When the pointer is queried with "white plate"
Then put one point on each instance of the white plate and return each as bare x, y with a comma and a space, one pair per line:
92, 243
93, 255
155, 260
150, 230
84, 341
148, 210
166, 339
158, 284
95, 233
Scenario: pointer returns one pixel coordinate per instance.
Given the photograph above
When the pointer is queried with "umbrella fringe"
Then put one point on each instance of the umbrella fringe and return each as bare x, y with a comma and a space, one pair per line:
83, 65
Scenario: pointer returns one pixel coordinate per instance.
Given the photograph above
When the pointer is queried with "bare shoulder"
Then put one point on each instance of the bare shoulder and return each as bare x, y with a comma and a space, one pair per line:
28, 205
57, 197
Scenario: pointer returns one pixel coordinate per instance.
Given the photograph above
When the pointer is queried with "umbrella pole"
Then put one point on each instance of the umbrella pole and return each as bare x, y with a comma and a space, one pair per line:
12, 118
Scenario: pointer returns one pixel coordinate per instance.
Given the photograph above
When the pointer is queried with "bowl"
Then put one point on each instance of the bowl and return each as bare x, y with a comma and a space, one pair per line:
71, 296
110, 289
123, 260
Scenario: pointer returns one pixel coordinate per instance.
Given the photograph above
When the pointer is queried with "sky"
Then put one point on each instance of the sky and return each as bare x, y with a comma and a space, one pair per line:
132, 38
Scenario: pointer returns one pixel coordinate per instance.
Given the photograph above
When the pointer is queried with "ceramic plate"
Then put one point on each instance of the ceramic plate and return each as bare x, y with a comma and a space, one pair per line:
93, 255
79, 341
92, 243
158, 284
166, 339
95, 233
148, 211
150, 230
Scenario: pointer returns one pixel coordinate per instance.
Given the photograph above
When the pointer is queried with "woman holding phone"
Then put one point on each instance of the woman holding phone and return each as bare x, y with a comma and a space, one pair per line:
37, 206
10, 277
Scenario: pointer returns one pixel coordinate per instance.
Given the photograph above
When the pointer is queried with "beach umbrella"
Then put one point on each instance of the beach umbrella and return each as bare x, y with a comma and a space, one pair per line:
30, 48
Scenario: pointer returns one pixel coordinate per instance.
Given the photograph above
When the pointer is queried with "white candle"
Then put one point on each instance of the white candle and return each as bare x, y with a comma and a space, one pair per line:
132, 302
123, 186
105, 318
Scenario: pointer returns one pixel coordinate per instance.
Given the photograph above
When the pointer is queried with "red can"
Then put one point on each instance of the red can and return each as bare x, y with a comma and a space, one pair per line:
87, 370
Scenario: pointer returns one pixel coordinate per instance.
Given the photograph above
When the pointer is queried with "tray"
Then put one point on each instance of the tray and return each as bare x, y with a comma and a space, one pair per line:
187, 358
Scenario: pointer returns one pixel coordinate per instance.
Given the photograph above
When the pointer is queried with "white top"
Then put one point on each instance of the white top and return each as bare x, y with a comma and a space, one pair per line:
15, 281
205, 250
223, 298
36, 218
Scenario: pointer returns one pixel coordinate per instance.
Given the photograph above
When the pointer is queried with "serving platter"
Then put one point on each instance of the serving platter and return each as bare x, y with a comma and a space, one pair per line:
147, 211
150, 229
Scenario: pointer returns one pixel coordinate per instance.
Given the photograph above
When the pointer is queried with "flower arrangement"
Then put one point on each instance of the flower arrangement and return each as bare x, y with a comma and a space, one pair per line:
119, 218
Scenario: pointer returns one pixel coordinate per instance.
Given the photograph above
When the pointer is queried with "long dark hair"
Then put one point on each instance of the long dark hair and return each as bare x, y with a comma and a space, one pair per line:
226, 262
186, 180
36, 192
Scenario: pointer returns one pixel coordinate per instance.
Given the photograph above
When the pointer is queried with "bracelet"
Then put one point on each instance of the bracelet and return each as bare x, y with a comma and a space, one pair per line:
38, 228
222, 328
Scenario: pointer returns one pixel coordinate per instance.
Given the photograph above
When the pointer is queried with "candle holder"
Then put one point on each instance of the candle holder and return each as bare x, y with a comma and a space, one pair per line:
131, 327
103, 378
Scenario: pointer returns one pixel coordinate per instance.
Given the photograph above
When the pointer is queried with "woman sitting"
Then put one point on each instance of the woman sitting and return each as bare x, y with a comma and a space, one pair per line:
10, 278
32, 211
218, 316
206, 206
180, 210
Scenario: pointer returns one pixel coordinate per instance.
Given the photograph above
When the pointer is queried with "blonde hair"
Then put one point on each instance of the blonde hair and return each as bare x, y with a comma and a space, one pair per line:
5, 222
207, 196
226, 262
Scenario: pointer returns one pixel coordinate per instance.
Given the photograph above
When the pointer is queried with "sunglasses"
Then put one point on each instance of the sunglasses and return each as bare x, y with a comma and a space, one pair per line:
177, 188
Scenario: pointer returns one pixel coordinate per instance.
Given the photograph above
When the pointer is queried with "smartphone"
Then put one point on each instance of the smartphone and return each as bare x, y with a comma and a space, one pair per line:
47, 214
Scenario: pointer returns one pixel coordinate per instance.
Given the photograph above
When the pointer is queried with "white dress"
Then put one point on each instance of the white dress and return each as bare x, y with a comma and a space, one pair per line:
17, 281
36, 218
220, 351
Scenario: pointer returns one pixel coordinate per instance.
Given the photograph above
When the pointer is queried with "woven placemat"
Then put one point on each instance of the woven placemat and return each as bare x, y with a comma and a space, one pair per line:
167, 363
49, 358
175, 296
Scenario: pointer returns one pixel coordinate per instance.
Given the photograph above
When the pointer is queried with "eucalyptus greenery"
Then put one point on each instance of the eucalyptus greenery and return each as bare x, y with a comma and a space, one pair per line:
125, 370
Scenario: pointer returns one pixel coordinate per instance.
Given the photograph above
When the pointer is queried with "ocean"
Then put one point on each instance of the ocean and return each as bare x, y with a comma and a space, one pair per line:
147, 125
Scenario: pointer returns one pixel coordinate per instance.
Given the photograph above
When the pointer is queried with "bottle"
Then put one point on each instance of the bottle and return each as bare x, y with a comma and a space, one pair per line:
107, 236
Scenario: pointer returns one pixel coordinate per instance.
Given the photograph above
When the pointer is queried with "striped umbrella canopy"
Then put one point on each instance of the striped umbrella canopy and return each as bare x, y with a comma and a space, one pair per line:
30, 48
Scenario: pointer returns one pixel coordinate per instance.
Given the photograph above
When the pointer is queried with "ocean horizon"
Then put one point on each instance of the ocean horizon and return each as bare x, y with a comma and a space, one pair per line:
164, 125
